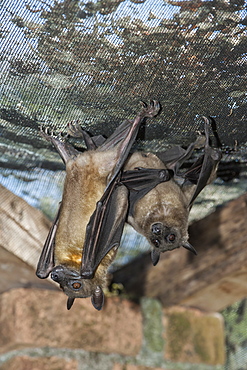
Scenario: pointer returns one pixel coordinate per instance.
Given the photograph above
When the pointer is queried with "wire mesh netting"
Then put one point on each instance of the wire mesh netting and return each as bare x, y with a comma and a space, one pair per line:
94, 61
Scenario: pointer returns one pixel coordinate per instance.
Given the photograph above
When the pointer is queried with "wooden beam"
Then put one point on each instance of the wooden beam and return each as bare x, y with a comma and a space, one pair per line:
211, 281
214, 279
14, 273
23, 230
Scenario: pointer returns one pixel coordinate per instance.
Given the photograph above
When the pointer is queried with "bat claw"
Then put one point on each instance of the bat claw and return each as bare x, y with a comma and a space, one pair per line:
143, 104
49, 134
74, 129
151, 109
206, 120
46, 133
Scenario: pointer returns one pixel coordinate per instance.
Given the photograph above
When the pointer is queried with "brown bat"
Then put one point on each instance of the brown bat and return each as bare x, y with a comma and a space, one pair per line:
162, 214
86, 232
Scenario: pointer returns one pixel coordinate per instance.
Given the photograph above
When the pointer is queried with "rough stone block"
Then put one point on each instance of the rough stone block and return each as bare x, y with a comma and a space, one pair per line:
118, 366
35, 317
41, 363
194, 336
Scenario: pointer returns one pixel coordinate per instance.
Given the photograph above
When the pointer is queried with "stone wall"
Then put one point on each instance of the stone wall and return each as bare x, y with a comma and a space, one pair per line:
37, 332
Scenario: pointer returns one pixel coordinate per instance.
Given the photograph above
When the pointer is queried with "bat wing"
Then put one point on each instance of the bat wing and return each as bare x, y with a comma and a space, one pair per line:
128, 132
202, 171
176, 156
92, 142
141, 180
105, 227
46, 260
119, 133
205, 168
104, 230
99, 141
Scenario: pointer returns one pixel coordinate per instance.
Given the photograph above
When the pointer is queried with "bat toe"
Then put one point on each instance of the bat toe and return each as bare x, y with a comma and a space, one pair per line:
151, 109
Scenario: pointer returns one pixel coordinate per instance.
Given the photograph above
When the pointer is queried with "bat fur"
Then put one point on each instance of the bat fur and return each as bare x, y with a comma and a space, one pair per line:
86, 179
162, 214
166, 204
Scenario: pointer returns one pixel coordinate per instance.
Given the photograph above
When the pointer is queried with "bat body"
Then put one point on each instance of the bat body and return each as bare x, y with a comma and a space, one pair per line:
162, 214
86, 232
86, 180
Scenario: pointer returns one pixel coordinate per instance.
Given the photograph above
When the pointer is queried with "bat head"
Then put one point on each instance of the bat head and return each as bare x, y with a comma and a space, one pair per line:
164, 238
74, 286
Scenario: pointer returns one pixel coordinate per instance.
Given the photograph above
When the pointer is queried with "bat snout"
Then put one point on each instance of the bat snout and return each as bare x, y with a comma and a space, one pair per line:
57, 273
164, 238
74, 285
61, 273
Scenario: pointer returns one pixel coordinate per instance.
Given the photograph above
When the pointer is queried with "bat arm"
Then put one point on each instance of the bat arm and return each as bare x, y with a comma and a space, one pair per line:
93, 234
87, 267
46, 260
150, 110
206, 129
75, 130
64, 149
210, 161
105, 228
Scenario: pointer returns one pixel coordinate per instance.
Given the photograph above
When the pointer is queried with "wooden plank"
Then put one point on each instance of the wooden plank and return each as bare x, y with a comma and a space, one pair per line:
211, 281
23, 229
14, 273
214, 279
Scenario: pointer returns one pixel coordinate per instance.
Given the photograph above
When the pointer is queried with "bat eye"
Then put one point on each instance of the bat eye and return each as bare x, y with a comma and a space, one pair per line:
171, 237
76, 285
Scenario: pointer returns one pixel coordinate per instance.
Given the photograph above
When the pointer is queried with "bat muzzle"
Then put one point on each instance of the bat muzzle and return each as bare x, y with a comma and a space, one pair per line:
59, 273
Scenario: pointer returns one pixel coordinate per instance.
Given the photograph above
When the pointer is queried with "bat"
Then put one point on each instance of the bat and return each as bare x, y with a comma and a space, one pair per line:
86, 232
162, 214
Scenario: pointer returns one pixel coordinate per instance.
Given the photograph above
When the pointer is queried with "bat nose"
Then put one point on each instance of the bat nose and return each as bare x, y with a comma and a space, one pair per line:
157, 228
54, 276
56, 273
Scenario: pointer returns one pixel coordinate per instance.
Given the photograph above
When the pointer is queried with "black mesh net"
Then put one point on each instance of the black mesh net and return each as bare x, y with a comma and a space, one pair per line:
94, 61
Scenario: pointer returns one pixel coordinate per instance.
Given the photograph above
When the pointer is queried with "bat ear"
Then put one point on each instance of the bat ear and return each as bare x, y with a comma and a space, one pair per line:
70, 302
98, 298
188, 246
155, 256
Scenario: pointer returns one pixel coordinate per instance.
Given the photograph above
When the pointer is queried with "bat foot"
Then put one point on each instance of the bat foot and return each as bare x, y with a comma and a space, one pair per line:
74, 129
50, 136
151, 109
